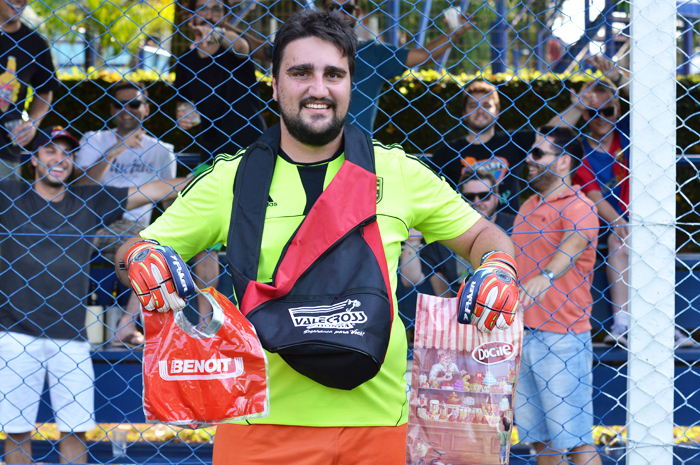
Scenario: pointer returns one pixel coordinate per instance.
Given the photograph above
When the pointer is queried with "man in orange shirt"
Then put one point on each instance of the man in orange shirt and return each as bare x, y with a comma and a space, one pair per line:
555, 236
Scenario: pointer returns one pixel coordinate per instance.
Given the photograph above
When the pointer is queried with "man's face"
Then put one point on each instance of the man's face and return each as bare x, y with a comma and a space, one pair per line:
53, 163
481, 111
446, 359
10, 10
130, 109
602, 113
479, 193
209, 12
542, 173
313, 91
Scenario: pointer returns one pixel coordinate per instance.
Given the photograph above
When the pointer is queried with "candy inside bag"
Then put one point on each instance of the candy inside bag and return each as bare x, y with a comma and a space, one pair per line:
199, 377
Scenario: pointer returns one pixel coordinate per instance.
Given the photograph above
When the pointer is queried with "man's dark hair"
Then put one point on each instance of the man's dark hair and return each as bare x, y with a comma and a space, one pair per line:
127, 84
567, 140
328, 26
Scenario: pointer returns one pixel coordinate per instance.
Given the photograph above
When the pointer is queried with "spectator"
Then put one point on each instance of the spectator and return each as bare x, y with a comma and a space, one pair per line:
215, 83
604, 177
555, 236
480, 188
313, 65
125, 157
484, 148
217, 77
43, 283
378, 63
26, 61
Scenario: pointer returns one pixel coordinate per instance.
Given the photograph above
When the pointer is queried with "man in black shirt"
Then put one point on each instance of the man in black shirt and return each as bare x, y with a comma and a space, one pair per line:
44, 277
25, 60
217, 77
484, 148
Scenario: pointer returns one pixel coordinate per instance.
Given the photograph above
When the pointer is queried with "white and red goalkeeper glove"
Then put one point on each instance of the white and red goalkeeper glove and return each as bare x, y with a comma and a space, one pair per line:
488, 298
159, 276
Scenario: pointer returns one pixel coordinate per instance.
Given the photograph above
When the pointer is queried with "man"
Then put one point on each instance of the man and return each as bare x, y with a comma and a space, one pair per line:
26, 61
125, 157
378, 63
216, 84
555, 236
481, 190
313, 64
217, 77
43, 283
484, 148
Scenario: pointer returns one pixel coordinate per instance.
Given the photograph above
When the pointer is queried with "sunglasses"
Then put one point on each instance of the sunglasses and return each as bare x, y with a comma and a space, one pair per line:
472, 196
133, 104
347, 7
607, 112
537, 153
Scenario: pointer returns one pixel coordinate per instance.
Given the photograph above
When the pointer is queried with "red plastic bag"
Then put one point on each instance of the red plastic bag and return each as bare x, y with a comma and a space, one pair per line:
462, 387
198, 378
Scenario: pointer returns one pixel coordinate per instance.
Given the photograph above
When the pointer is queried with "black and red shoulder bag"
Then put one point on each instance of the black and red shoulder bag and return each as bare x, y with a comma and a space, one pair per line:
328, 310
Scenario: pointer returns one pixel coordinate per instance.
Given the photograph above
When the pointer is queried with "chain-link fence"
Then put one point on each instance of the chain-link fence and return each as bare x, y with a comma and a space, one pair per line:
486, 96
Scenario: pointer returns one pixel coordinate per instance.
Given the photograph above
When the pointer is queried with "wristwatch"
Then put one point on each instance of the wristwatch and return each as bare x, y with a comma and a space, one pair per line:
548, 273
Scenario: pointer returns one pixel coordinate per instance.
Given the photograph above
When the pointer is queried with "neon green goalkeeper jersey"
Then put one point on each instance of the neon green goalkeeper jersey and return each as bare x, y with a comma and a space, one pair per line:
408, 195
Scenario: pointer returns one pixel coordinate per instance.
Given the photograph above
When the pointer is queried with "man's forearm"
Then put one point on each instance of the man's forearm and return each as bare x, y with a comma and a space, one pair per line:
490, 239
97, 171
41, 104
568, 118
154, 192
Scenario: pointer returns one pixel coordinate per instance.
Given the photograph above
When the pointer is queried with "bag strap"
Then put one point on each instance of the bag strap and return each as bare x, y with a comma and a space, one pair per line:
251, 190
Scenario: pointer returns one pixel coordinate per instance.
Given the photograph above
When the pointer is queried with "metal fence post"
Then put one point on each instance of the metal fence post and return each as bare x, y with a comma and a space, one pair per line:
652, 239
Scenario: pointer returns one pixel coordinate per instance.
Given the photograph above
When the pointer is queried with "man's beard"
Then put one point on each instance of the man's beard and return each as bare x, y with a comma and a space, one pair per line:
478, 128
306, 134
543, 182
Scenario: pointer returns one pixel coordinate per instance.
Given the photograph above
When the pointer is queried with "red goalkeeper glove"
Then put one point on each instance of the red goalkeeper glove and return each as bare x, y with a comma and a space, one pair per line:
488, 298
159, 277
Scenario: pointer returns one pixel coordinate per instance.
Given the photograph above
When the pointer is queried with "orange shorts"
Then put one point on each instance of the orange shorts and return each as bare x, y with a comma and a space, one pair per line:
302, 445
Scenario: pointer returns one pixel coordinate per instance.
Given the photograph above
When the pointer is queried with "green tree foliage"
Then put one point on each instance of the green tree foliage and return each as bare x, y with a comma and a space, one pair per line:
115, 24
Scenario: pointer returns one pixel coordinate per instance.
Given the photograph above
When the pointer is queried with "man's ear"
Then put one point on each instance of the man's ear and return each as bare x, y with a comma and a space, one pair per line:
34, 161
274, 89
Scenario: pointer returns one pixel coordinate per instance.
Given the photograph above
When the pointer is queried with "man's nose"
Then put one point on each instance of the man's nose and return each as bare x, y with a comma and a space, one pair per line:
318, 88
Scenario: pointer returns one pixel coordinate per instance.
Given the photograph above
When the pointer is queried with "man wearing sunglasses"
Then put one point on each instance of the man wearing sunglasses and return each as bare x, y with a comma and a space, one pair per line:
555, 235
480, 188
378, 63
124, 157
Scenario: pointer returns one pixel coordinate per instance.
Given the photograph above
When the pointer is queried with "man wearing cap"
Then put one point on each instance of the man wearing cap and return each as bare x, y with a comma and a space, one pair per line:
44, 257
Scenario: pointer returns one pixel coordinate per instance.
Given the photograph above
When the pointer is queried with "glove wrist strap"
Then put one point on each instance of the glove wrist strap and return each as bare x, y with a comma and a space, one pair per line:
500, 257
137, 247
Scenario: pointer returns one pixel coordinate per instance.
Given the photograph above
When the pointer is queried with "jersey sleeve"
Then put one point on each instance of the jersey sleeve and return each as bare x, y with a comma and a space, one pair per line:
196, 220
438, 211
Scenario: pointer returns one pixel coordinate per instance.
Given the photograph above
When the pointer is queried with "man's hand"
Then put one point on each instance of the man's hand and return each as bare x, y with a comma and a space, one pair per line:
206, 39
183, 118
133, 140
24, 133
159, 277
489, 298
534, 290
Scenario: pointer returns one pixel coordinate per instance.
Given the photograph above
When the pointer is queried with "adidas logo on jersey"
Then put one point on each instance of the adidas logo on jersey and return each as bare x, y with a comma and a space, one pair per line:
270, 202
179, 369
